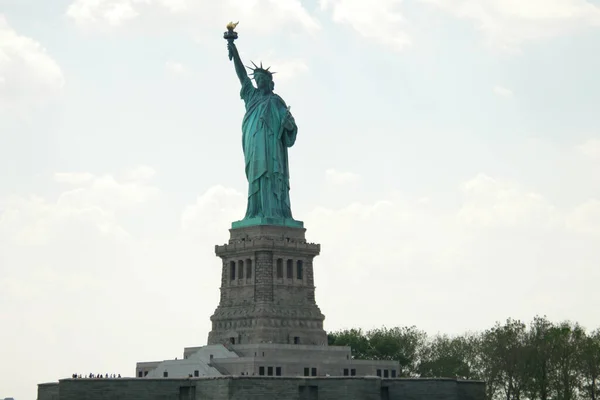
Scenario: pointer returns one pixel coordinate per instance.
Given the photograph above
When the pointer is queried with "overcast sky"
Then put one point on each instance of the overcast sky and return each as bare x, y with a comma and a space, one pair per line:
447, 160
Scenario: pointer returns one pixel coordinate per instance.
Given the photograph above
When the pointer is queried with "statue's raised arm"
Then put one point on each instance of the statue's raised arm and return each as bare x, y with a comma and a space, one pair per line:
231, 35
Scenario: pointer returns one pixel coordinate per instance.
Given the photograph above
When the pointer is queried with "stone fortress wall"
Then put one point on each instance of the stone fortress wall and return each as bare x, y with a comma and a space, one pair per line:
263, 388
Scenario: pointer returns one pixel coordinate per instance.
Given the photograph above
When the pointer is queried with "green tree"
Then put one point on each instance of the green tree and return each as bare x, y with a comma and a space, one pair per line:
540, 368
507, 351
355, 338
542, 361
398, 344
566, 344
485, 366
450, 357
589, 365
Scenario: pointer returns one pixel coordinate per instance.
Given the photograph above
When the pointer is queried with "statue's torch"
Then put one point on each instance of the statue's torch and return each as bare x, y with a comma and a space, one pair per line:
230, 36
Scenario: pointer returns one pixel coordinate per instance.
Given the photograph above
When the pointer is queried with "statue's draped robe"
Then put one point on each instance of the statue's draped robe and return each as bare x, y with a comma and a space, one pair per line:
265, 142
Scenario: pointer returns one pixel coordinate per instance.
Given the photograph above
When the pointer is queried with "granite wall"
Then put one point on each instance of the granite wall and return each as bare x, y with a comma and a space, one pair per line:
48, 391
263, 388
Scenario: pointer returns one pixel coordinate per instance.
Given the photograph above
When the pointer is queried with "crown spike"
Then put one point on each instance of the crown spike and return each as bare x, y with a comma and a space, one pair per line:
258, 70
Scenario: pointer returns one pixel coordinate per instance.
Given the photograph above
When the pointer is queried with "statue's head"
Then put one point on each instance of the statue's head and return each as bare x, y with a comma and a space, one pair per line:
263, 77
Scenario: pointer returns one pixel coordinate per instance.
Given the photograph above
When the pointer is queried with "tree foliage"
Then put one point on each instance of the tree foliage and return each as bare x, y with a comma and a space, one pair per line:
400, 344
541, 360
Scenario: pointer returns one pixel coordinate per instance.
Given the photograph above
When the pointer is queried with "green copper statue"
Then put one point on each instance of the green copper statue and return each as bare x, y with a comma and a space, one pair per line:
268, 129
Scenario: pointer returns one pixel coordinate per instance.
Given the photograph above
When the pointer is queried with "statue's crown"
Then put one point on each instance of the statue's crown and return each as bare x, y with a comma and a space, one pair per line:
260, 70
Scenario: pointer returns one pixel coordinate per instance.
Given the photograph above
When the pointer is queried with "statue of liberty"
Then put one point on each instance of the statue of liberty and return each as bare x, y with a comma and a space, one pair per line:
268, 129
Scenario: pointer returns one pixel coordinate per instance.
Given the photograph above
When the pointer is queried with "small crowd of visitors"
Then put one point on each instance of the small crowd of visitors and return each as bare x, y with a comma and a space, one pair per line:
96, 376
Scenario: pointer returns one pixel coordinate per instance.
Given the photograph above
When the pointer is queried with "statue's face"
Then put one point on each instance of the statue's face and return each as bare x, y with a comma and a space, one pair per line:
262, 81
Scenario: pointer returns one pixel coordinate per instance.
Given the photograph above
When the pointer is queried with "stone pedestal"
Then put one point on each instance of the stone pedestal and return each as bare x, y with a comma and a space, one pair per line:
267, 289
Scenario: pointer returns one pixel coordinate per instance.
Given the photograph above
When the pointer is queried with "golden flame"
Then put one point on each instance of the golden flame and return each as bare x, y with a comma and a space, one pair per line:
231, 26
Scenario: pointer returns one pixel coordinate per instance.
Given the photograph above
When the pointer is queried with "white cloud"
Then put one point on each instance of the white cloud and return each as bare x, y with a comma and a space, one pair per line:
35, 221
341, 178
176, 68
73, 178
112, 12
106, 192
215, 209
499, 236
175, 5
502, 91
259, 15
119, 12
378, 20
509, 23
585, 218
289, 10
28, 74
140, 173
493, 204
590, 149
94, 204
289, 69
